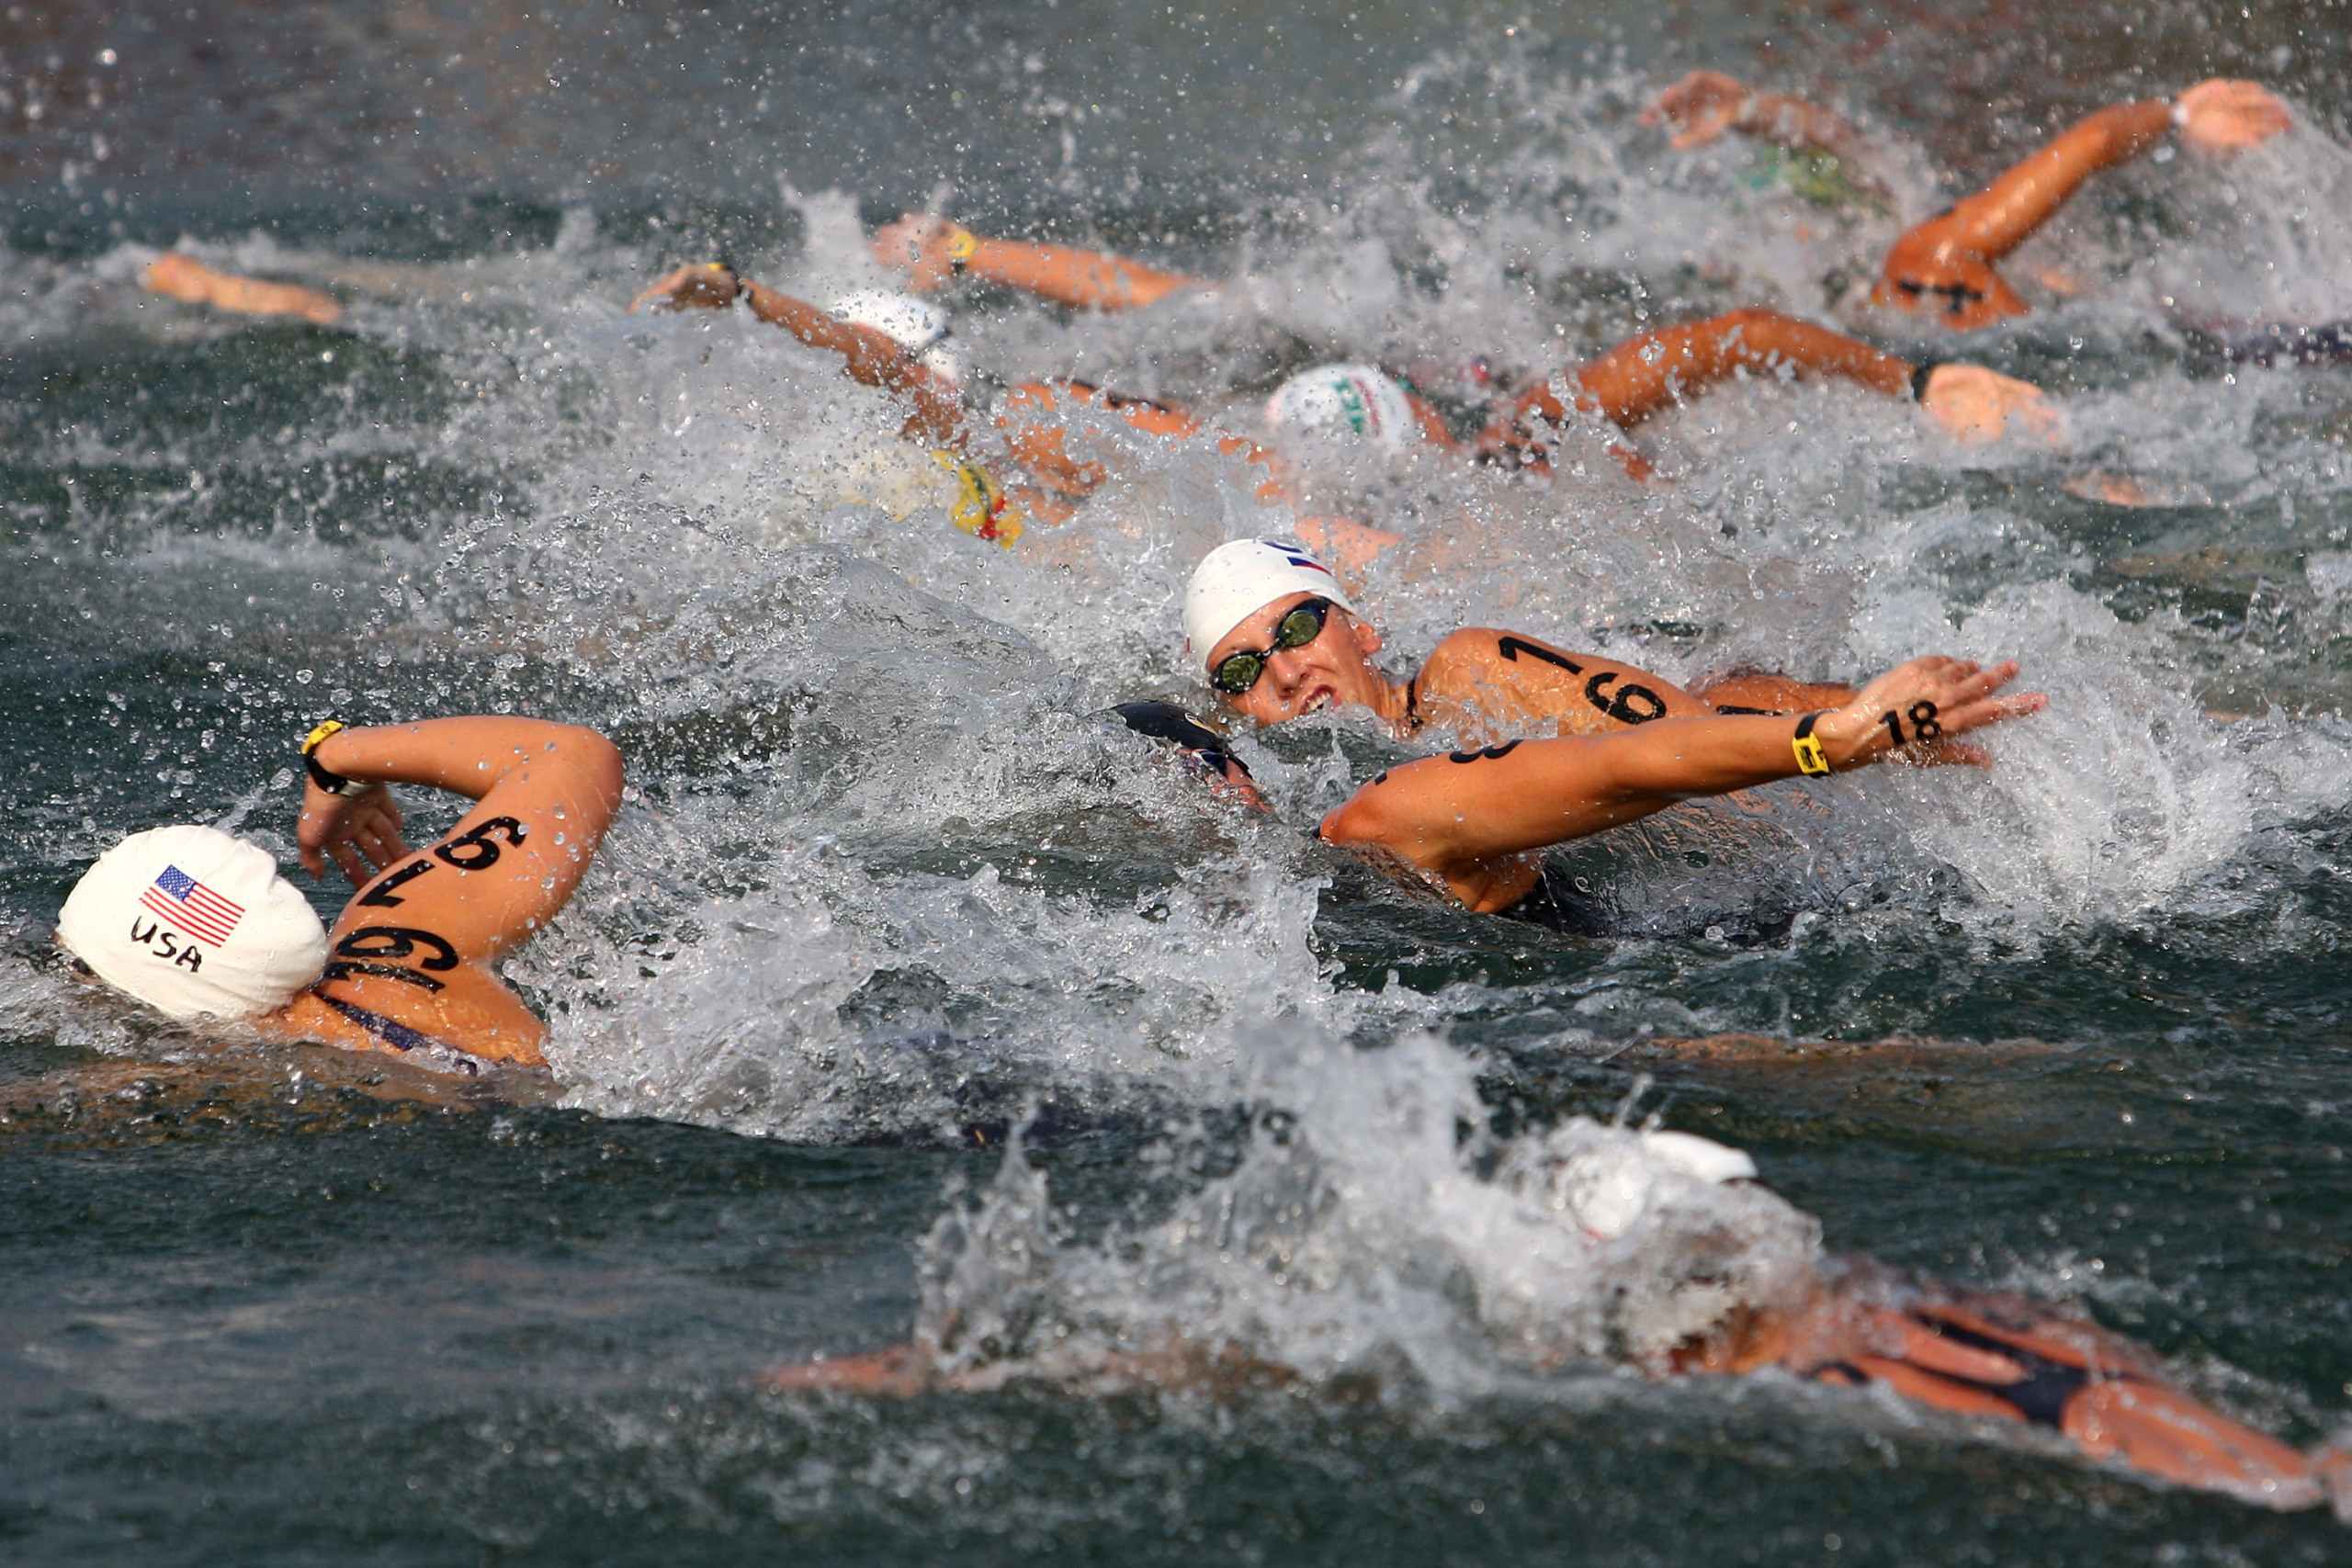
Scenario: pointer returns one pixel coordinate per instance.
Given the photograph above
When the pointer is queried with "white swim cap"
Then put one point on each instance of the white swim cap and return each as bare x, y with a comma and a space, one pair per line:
191, 921
916, 325
1236, 580
1343, 402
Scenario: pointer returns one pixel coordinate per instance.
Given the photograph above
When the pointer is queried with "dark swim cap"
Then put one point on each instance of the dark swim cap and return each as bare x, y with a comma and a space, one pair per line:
1166, 721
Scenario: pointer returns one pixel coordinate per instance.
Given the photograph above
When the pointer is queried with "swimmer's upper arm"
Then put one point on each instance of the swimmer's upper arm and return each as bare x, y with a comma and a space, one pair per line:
510, 863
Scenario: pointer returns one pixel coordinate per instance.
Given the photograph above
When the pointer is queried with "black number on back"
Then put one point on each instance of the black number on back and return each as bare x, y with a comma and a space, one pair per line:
477, 850
382, 894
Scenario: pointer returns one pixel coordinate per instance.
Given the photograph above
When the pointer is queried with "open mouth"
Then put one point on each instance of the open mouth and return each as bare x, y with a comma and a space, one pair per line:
1315, 704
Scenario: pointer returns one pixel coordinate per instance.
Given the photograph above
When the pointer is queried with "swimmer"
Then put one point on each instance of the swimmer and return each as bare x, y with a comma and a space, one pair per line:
1474, 824
1628, 385
1632, 382
196, 924
1943, 268
1278, 637
1968, 1353
1031, 417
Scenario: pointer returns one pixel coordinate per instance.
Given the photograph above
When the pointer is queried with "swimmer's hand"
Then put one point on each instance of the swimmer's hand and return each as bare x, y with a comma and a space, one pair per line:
2222, 116
357, 831
916, 245
1977, 405
1917, 707
184, 277
1700, 107
705, 286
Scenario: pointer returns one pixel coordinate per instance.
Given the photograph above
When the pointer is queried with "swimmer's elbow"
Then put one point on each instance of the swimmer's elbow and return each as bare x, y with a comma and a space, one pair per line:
593, 761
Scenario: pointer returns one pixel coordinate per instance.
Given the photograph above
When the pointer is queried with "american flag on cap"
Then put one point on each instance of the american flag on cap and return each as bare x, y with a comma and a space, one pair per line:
191, 906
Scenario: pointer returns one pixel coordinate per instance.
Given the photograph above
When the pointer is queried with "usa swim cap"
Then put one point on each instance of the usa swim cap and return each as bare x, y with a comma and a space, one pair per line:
192, 922
916, 325
1344, 402
1235, 580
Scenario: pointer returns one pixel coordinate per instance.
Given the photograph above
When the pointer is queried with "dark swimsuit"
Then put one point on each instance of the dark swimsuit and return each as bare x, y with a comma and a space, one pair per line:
2039, 1397
1566, 904
399, 1035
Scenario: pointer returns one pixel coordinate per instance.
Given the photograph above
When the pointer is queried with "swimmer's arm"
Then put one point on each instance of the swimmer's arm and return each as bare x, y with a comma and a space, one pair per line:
1458, 815
179, 277
1658, 369
1706, 104
928, 248
1998, 219
869, 356
560, 781
2216, 114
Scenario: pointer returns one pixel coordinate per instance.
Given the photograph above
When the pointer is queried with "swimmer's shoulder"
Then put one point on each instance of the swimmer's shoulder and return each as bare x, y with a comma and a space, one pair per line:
1492, 657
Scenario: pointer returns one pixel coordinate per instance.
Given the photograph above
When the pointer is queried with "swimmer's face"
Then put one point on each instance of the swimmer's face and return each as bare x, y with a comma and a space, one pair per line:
1333, 671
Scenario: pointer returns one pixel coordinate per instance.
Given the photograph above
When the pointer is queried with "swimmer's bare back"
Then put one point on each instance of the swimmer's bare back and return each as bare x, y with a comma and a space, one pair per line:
1943, 268
412, 960
1489, 682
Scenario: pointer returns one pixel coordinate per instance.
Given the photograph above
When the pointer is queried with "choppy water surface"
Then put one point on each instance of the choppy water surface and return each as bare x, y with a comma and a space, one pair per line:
887, 890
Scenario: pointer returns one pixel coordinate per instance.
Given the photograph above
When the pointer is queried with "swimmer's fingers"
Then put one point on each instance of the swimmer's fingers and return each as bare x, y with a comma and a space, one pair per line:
2222, 115
917, 246
1699, 107
705, 286
1924, 701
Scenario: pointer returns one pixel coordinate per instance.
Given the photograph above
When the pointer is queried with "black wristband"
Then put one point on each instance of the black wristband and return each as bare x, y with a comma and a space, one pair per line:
1919, 374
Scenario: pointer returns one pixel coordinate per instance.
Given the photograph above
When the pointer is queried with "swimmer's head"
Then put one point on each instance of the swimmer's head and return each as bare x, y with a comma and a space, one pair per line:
916, 325
1344, 402
191, 921
1237, 579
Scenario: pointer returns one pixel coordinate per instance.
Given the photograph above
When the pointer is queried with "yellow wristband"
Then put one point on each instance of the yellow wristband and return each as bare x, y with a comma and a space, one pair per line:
962, 247
1812, 761
981, 509
332, 783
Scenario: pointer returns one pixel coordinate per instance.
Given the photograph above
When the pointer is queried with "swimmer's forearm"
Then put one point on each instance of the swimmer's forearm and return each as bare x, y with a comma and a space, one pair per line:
1654, 370
869, 356
1072, 274
470, 756
1446, 813
2000, 217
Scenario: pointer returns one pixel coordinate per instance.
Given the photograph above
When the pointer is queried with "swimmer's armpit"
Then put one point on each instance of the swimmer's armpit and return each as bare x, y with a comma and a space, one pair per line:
179, 277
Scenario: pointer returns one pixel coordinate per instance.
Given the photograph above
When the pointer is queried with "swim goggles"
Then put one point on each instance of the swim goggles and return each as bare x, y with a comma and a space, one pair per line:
1237, 673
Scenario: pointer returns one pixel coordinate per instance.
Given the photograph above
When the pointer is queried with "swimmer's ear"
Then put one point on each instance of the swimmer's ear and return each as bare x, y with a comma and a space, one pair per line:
1367, 635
